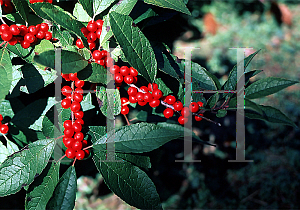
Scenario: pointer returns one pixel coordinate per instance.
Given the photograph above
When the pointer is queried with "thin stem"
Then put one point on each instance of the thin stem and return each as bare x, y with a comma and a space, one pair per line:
2, 20
6, 137
72, 113
74, 161
3, 43
60, 159
59, 137
128, 123
88, 147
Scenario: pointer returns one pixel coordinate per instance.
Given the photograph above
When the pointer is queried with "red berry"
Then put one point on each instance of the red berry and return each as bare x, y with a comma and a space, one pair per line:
182, 120
79, 83
70, 153
48, 35
197, 118
6, 35
85, 31
33, 30
170, 99
77, 145
91, 37
80, 154
128, 79
194, 107
109, 62
25, 44
73, 76
185, 112
157, 94
148, 97
124, 101
134, 80
98, 33
178, 106
133, 72
75, 106
13, 41
99, 23
79, 44
44, 27
23, 30
104, 53
65, 76
29, 37
68, 124
14, 29
4, 27
144, 88
66, 90
92, 26
168, 112
154, 103
92, 45
78, 90
140, 96
124, 70
132, 91
1, 118
40, 34
79, 115
114, 69
84, 143
133, 99
79, 120
69, 132
200, 103
118, 78
152, 87
124, 110
101, 62
78, 136
4, 129
65, 103
142, 103
86, 153
77, 127
77, 97
97, 55
68, 142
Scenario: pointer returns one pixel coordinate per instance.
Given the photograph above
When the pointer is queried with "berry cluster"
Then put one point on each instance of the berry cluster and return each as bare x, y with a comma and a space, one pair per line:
123, 73
153, 96
3, 127
36, 1
25, 36
73, 137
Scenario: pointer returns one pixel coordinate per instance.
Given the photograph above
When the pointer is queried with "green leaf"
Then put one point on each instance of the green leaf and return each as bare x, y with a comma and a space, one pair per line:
64, 37
65, 192
6, 109
40, 191
107, 97
66, 20
5, 72
80, 13
135, 45
87, 103
149, 13
71, 62
167, 63
177, 5
124, 7
128, 182
3, 152
22, 8
212, 101
100, 6
221, 113
270, 114
16, 18
94, 73
250, 74
11, 147
138, 138
267, 86
201, 78
48, 127
139, 160
248, 105
25, 54
20, 169
230, 84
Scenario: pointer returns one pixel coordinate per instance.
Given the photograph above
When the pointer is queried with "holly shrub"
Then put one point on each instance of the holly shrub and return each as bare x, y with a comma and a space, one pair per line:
102, 44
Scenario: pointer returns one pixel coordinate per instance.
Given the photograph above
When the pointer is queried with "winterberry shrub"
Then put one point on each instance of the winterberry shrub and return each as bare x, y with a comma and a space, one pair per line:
82, 55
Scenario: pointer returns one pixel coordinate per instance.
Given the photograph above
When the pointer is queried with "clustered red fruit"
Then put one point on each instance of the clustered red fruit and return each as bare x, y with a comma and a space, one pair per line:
153, 96
73, 137
25, 36
3, 127
36, 1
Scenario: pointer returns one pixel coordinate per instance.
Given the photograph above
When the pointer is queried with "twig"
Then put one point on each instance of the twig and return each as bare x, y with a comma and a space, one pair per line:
60, 159
128, 123
88, 147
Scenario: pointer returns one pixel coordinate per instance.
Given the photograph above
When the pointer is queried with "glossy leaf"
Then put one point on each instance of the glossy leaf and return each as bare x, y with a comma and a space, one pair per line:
177, 5
40, 191
80, 13
134, 44
22, 8
267, 86
64, 37
124, 7
221, 113
20, 169
94, 73
128, 182
270, 114
5, 72
3, 152
100, 6
11, 147
25, 54
248, 105
65, 191
212, 101
71, 62
107, 97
